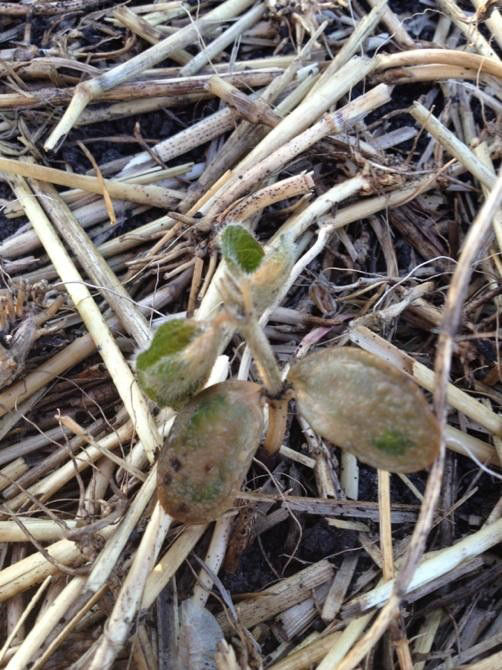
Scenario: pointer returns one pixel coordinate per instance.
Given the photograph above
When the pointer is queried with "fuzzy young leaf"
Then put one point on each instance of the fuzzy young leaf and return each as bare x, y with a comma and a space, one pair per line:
178, 361
267, 281
358, 401
209, 450
240, 248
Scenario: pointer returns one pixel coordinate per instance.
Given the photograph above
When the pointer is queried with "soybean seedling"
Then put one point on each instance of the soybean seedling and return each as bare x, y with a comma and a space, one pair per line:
351, 397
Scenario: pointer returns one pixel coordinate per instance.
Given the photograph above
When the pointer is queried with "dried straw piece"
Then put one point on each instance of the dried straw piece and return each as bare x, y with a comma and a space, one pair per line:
330, 124
11, 472
38, 634
362, 29
494, 20
49, 8
280, 190
109, 556
194, 136
44, 530
385, 525
426, 635
144, 29
89, 90
117, 537
254, 112
129, 599
492, 662
469, 446
94, 264
120, 372
417, 73
35, 568
344, 642
169, 563
359, 509
243, 138
282, 595
213, 560
153, 88
306, 654
222, 41
394, 25
47, 486
308, 111
299, 223
483, 154
64, 632
338, 589
452, 144
19, 624
24, 242
121, 110
474, 37
153, 196
399, 641
440, 56
75, 352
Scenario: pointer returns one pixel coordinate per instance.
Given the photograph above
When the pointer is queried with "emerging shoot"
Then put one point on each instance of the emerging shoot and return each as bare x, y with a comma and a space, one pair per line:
265, 272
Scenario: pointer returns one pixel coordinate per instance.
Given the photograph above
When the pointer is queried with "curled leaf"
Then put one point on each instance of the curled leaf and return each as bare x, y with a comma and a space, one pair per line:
209, 450
178, 361
240, 248
361, 403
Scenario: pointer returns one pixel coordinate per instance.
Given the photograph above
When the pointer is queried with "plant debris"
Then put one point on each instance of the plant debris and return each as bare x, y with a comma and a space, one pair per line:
352, 148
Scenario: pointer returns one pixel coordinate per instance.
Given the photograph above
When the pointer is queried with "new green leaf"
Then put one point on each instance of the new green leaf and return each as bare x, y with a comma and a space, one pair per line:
239, 247
178, 361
